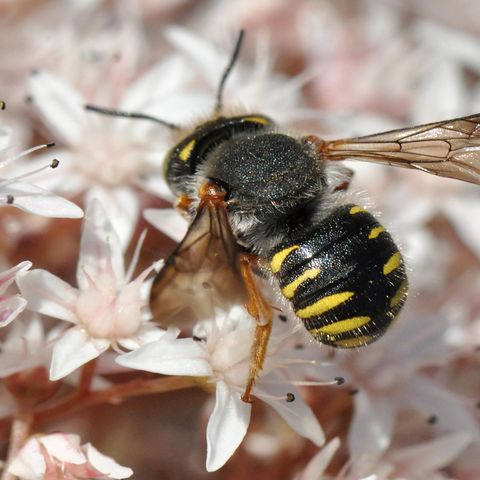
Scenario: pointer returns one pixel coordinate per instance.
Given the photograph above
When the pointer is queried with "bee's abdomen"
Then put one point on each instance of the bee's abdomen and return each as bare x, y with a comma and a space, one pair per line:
345, 279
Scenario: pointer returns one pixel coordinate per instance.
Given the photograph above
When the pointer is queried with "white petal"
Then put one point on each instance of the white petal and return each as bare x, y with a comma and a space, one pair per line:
7, 277
10, 307
29, 463
317, 465
170, 357
64, 447
100, 247
209, 61
297, 413
60, 106
73, 350
168, 221
157, 185
433, 455
162, 79
122, 209
450, 409
106, 465
226, 427
33, 199
371, 426
48, 294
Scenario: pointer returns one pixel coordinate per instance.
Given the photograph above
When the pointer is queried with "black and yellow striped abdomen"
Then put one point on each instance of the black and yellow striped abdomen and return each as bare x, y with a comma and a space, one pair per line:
345, 279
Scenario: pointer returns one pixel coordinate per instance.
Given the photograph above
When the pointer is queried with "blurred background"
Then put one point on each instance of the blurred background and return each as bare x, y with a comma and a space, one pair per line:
335, 68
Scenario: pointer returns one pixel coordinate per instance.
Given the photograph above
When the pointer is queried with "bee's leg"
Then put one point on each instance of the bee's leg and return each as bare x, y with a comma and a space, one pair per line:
262, 313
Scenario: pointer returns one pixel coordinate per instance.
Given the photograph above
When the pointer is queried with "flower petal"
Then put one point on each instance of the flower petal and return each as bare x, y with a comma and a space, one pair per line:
10, 307
29, 463
317, 465
64, 447
60, 106
297, 414
8, 276
451, 411
73, 350
371, 426
100, 248
33, 199
168, 221
427, 457
226, 427
121, 208
106, 465
170, 357
48, 294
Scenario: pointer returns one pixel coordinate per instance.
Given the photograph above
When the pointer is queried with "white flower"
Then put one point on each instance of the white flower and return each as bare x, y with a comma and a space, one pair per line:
388, 378
114, 156
60, 456
221, 353
254, 88
11, 305
26, 346
29, 197
106, 310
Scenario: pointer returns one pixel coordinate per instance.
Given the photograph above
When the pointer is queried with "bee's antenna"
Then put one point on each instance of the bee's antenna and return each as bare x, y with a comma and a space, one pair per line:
141, 116
226, 73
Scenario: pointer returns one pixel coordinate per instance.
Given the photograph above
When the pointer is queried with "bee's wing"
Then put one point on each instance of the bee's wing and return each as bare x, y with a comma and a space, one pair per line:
450, 148
201, 273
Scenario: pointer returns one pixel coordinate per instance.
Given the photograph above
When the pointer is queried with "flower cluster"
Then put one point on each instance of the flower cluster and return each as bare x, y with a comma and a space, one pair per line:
77, 334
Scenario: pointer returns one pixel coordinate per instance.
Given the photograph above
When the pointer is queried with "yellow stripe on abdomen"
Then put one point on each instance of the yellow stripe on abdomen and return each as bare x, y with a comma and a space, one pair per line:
323, 305
393, 263
279, 258
375, 232
310, 274
354, 342
342, 326
184, 154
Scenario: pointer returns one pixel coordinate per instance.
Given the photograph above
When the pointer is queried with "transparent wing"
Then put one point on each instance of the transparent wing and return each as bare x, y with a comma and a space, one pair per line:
450, 148
202, 273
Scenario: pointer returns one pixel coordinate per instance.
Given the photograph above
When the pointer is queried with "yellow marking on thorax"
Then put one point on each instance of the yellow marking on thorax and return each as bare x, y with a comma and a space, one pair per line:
342, 326
185, 152
375, 232
323, 305
261, 120
392, 263
289, 290
354, 342
400, 294
356, 209
279, 258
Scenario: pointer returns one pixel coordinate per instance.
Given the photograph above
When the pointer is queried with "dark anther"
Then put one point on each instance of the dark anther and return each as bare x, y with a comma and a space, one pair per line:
432, 419
197, 339
55, 163
50, 145
29, 99
353, 391
290, 397
299, 346
10, 199
339, 380
35, 71
3, 105
206, 285
283, 318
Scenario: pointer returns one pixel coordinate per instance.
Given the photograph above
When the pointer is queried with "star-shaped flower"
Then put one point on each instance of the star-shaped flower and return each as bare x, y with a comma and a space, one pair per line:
220, 353
107, 309
60, 456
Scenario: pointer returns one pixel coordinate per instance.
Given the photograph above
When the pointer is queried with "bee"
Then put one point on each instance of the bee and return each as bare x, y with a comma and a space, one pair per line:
262, 203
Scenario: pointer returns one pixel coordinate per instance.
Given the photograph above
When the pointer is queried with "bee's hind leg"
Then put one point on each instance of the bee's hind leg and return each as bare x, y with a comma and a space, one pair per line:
261, 311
